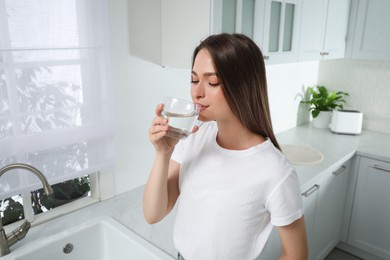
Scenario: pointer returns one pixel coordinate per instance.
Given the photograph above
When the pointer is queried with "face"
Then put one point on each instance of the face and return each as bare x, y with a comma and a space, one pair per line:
206, 89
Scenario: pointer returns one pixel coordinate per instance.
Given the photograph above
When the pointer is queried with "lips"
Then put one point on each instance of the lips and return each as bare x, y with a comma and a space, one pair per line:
202, 107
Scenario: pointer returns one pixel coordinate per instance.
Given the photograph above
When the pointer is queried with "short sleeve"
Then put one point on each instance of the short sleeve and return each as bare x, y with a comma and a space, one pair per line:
285, 201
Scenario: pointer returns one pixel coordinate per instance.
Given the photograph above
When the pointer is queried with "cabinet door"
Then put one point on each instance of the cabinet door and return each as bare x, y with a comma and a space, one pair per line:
166, 32
233, 16
323, 29
369, 30
281, 27
312, 34
310, 202
258, 24
183, 25
369, 228
336, 29
330, 208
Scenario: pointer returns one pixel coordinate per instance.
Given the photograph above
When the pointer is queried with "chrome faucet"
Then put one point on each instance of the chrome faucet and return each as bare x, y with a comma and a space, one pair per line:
7, 240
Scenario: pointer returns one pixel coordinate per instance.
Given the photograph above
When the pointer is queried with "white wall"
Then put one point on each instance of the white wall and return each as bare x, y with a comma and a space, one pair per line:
368, 85
286, 85
140, 85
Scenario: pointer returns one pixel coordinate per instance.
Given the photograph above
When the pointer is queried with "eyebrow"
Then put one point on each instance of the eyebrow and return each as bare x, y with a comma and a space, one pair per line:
207, 74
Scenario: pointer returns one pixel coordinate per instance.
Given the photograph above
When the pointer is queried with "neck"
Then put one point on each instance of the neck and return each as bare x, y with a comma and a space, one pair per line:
234, 136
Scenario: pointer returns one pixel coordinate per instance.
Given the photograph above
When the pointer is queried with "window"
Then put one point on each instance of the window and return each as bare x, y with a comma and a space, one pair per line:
12, 209
55, 92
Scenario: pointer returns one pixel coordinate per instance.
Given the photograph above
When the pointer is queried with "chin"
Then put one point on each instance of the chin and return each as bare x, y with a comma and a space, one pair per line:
204, 120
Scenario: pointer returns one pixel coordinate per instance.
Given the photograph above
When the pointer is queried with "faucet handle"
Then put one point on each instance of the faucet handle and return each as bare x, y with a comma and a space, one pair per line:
10, 239
20, 232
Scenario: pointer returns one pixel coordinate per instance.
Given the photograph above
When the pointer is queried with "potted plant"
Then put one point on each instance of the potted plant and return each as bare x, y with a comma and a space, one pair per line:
322, 102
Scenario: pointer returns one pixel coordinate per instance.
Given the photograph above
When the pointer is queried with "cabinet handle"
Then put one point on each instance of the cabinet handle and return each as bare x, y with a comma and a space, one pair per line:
266, 57
311, 190
381, 168
340, 170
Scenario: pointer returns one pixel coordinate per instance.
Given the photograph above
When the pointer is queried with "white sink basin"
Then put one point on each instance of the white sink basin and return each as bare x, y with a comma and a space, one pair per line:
99, 239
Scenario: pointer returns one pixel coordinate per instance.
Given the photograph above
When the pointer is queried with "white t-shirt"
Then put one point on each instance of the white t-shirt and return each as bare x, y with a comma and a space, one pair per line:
229, 200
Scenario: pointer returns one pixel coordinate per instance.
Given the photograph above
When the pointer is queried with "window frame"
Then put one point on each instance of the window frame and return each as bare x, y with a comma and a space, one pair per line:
101, 189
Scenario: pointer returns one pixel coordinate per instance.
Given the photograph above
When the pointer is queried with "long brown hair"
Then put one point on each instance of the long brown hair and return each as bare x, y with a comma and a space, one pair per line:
239, 64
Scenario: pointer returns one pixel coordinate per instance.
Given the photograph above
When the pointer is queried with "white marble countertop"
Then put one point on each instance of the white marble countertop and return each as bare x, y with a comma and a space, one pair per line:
336, 148
127, 207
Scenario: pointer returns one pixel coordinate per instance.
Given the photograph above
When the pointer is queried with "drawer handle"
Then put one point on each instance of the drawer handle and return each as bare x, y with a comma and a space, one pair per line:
311, 190
342, 168
381, 168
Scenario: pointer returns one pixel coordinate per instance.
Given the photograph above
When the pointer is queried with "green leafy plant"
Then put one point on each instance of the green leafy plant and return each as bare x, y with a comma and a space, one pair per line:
12, 212
64, 192
321, 99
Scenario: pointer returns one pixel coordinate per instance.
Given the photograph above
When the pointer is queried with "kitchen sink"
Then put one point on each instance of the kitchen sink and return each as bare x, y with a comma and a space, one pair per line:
100, 239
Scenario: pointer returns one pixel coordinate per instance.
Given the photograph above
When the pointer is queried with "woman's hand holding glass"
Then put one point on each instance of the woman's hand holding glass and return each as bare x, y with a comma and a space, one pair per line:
158, 133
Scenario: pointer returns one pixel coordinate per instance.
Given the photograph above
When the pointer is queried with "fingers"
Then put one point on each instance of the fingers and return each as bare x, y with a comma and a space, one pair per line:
159, 109
158, 128
195, 129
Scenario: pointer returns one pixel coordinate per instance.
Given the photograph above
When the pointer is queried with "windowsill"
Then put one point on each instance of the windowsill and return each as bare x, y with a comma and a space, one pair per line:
55, 213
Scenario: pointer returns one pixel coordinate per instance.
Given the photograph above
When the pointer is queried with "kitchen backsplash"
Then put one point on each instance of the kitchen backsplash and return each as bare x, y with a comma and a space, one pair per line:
368, 85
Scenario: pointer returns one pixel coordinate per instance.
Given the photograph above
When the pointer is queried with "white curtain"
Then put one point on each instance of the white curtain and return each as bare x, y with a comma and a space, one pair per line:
55, 91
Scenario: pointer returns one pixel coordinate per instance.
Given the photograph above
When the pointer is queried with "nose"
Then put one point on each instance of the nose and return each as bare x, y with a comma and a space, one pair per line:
197, 91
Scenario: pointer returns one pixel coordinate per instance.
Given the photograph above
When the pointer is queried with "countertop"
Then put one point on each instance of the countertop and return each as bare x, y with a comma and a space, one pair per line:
127, 207
336, 148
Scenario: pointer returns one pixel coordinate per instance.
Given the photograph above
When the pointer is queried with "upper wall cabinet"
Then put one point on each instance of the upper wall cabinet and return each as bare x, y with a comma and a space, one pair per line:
166, 32
323, 29
233, 16
369, 33
276, 29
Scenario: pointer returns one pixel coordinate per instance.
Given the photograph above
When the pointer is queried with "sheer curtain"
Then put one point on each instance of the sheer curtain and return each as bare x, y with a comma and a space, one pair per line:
55, 91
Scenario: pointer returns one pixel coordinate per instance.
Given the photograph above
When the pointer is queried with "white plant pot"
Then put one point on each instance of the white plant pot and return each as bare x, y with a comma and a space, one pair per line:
303, 114
322, 120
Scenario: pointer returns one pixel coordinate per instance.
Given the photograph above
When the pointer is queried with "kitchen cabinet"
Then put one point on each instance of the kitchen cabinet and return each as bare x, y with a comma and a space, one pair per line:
233, 16
369, 225
310, 204
323, 201
167, 32
330, 210
324, 205
368, 33
323, 29
276, 29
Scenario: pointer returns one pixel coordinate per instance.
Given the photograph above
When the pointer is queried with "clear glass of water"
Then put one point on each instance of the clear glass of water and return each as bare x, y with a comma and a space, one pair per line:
181, 115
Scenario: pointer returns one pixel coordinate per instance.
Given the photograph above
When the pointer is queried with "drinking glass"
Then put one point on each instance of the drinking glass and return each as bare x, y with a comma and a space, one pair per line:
181, 115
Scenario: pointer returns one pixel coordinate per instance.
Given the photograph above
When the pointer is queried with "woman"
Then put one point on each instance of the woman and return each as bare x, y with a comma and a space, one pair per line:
229, 179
